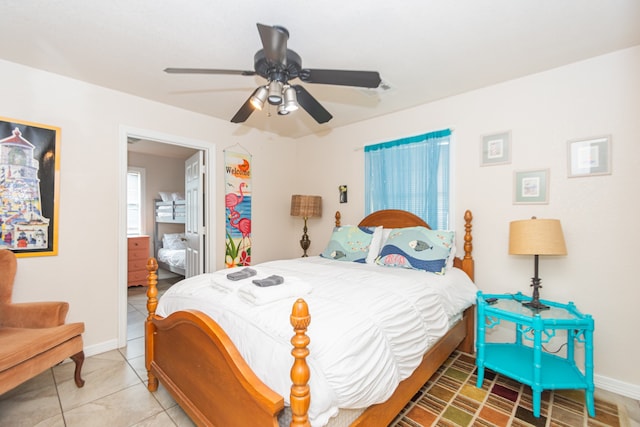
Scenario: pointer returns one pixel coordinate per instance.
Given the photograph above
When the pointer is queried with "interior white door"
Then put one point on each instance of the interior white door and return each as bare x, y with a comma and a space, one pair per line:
195, 230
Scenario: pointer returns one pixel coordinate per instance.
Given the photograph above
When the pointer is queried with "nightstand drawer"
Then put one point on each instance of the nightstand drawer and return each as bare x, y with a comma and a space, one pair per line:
137, 278
138, 242
137, 264
138, 254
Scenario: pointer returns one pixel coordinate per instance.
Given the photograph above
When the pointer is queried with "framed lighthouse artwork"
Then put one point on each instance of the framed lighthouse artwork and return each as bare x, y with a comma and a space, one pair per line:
29, 187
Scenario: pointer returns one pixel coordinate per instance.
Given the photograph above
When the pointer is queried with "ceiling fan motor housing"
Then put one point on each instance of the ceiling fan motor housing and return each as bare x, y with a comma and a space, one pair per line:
283, 72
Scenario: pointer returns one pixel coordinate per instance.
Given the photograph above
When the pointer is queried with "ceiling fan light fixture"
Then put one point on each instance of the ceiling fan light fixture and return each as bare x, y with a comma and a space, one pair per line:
258, 97
275, 92
290, 99
282, 110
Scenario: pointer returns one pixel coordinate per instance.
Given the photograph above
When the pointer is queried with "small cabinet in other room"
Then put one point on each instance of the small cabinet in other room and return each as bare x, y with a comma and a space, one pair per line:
138, 254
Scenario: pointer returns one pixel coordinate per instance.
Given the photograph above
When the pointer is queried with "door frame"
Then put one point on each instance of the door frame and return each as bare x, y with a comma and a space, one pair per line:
209, 152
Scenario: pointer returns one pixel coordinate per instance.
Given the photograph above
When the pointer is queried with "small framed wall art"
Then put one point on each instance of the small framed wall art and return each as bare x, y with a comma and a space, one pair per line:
343, 193
495, 149
531, 187
588, 157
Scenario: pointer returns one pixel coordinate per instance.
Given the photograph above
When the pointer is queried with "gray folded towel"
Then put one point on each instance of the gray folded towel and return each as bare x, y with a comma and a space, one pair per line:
269, 281
245, 273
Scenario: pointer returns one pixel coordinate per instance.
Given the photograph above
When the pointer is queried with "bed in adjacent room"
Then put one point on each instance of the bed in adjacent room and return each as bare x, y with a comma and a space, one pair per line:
170, 244
389, 303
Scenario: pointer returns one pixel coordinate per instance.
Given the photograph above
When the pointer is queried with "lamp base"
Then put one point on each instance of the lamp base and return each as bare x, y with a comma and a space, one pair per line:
304, 241
535, 305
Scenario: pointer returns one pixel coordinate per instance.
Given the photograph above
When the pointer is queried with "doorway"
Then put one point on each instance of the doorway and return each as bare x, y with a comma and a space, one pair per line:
144, 142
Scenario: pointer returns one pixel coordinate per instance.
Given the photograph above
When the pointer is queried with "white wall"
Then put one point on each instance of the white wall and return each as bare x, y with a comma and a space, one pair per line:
598, 214
86, 271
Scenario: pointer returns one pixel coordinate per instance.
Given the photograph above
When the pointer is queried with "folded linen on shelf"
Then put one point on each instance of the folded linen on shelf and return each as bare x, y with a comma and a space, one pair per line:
290, 287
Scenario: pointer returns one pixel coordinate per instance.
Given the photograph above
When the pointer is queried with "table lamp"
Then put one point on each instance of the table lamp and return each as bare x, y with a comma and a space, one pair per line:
536, 237
306, 207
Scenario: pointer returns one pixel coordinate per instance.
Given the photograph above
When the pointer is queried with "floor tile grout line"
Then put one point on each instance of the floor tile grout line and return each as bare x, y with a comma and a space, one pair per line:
55, 386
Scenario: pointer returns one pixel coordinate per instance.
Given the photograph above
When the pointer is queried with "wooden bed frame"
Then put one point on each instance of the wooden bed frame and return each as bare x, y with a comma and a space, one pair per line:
197, 363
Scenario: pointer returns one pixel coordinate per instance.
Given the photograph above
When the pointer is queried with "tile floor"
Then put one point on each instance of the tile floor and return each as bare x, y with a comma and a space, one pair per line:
115, 394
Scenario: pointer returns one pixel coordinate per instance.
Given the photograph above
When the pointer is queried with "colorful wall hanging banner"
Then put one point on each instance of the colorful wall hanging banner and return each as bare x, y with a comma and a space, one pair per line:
237, 202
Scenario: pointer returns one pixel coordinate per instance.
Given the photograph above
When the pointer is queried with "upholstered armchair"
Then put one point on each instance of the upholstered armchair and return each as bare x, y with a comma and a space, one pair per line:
33, 335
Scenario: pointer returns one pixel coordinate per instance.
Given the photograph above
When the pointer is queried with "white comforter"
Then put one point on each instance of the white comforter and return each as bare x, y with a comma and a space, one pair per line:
370, 325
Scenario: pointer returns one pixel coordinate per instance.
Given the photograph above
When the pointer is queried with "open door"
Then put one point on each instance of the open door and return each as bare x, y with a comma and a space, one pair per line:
195, 230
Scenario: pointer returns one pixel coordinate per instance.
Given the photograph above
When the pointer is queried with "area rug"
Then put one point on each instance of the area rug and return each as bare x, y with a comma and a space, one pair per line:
451, 398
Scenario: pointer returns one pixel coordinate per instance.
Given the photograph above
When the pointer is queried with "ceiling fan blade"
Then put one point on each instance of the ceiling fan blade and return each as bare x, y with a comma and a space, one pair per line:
370, 79
311, 105
274, 40
244, 112
208, 71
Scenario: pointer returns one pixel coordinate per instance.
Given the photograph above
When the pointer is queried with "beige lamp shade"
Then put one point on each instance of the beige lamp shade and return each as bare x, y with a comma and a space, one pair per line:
306, 206
536, 237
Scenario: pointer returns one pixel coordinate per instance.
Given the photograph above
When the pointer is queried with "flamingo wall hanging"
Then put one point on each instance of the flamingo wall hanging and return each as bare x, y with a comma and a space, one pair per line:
237, 203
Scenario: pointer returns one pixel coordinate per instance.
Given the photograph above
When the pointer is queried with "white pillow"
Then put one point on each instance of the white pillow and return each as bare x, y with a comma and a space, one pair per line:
449, 265
166, 197
174, 241
375, 245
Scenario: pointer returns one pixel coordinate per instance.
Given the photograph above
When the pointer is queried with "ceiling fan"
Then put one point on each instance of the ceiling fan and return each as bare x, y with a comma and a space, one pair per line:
279, 65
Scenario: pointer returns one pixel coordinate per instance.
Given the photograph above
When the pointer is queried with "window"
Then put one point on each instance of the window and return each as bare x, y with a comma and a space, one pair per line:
411, 174
135, 198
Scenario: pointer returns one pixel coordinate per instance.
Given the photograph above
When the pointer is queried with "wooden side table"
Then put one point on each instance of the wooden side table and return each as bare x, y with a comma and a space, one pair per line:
525, 359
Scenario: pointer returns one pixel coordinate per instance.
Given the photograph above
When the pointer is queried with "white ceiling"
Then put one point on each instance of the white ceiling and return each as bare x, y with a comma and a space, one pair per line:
424, 49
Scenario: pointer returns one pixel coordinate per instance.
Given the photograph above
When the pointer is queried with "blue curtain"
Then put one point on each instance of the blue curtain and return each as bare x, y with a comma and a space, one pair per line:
411, 174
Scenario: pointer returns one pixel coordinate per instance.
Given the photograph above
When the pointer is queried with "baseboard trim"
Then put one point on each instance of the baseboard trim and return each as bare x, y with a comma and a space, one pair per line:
102, 347
617, 386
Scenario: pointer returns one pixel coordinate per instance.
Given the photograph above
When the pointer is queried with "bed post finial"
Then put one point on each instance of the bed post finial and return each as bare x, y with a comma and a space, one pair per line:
152, 304
467, 260
300, 396
152, 287
338, 216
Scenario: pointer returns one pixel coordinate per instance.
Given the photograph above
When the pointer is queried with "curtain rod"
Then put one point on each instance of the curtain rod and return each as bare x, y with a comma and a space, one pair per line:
402, 137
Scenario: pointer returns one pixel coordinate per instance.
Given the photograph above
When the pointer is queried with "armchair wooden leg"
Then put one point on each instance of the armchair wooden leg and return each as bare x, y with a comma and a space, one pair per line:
78, 358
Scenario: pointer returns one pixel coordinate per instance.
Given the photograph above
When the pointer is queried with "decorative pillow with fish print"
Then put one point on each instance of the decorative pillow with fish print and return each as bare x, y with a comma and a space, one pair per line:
418, 248
349, 243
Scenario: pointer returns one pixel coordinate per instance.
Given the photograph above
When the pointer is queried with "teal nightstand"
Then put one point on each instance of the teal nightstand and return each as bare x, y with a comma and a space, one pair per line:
525, 360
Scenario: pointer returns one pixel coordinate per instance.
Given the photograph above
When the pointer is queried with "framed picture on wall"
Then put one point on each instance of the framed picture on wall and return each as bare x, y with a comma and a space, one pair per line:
531, 187
29, 187
495, 149
588, 157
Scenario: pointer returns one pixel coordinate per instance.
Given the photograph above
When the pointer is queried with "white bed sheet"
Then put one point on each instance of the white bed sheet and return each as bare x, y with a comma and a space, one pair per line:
173, 257
370, 325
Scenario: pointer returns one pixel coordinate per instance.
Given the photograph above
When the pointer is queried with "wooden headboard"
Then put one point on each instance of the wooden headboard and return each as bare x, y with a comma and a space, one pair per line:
392, 218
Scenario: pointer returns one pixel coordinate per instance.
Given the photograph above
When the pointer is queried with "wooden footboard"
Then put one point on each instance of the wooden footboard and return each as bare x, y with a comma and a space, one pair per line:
197, 363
